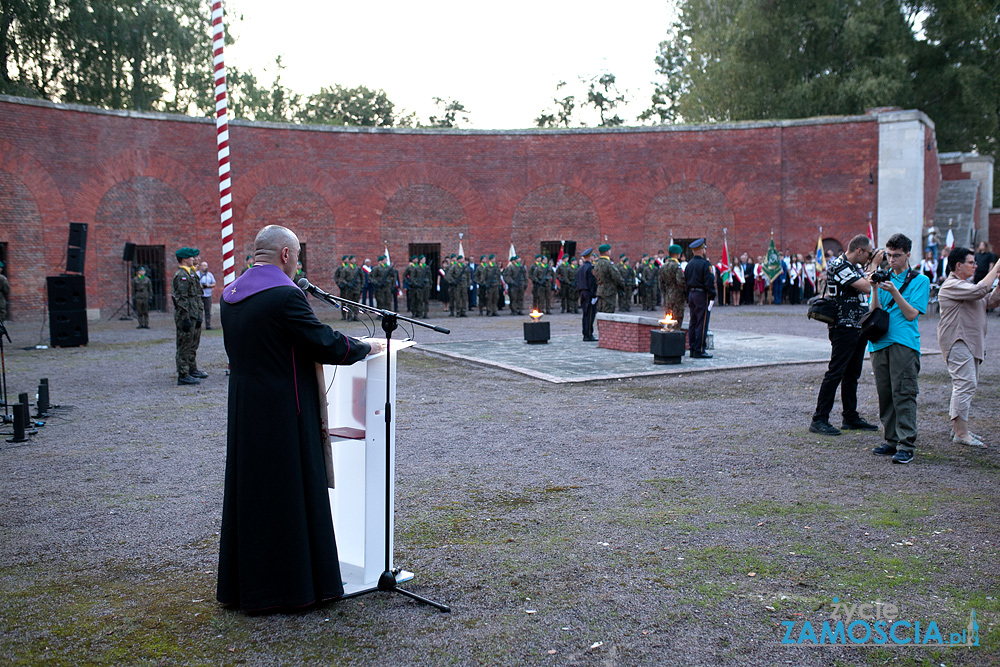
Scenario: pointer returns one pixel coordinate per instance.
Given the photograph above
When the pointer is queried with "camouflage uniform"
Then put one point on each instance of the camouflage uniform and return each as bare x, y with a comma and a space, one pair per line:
342, 278
574, 293
410, 278
4, 296
382, 280
608, 283
491, 281
674, 289
185, 290
516, 277
564, 272
649, 275
459, 278
628, 282
424, 280
142, 292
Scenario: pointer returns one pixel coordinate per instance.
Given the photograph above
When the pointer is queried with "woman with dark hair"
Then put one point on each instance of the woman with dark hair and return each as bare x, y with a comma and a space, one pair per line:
961, 334
985, 260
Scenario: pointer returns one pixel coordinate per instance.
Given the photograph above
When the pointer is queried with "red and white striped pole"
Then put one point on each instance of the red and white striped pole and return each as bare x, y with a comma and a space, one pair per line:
222, 140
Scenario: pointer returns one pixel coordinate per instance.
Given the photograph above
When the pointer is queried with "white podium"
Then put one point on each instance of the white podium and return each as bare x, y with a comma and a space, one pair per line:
356, 419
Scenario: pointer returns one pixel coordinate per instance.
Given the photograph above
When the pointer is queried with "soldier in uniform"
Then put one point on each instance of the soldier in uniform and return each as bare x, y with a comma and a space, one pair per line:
142, 292
447, 288
479, 277
341, 277
701, 290
516, 277
410, 285
574, 295
425, 280
382, 280
628, 282
537, 276
4, 295
491, 285
609, 281
185, 290
586, 286
648, 277
459, 278
355, 283
672, 285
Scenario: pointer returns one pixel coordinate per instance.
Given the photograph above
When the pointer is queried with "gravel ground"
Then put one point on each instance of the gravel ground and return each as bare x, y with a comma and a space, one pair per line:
673, 520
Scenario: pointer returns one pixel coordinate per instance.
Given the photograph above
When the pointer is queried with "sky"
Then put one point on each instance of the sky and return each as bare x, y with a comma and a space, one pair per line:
502, 61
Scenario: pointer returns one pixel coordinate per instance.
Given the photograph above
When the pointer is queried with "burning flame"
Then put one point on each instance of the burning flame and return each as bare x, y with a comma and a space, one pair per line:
535, 314
668, 322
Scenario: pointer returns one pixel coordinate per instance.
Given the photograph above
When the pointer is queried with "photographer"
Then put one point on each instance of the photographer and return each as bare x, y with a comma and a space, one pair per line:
848, 286
895, 356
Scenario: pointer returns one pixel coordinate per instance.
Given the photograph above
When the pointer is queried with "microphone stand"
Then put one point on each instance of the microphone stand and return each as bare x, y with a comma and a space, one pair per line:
390, 322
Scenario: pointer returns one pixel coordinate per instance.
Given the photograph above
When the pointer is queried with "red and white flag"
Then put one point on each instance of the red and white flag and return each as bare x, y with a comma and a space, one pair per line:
724, 263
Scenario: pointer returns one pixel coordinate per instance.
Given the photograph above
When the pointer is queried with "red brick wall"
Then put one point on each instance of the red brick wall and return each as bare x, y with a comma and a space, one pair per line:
624, 336
152, 180
995, 230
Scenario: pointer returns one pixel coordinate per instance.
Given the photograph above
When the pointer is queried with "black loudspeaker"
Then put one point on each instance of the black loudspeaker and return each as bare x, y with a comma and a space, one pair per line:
128, 253
74, 260
78, 235
569, 250
68, 329
66, 294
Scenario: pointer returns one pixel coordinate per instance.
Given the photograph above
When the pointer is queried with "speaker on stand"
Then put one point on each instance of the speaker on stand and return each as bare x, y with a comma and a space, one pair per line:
128, 255
67, 311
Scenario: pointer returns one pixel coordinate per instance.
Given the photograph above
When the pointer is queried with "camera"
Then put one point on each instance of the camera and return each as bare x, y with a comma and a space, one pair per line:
881, 276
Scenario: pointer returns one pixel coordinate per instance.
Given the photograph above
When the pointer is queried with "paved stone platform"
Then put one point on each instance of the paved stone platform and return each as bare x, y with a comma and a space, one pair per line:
569, 359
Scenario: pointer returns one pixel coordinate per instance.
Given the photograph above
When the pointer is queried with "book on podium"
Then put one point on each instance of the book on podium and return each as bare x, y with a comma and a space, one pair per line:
356, 399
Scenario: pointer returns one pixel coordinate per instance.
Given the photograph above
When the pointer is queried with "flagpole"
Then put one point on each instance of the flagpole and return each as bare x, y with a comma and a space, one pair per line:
222, 144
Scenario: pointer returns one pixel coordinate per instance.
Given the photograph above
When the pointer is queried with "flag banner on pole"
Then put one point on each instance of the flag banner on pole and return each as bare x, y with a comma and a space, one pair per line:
772, 265
562, 246
820, 255
727, 276
871, 234
949, 241
460, 251
387, 255
511, 253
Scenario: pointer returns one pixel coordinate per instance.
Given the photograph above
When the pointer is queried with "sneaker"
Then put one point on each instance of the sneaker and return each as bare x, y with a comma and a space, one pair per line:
187, 379
858, 424
886, 449
824, 427
903, 456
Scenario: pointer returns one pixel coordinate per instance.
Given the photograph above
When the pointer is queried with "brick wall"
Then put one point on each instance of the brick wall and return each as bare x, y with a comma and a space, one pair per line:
152, 180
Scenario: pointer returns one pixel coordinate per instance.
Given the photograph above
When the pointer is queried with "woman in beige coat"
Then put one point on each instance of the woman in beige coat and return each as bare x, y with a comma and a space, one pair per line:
961, 334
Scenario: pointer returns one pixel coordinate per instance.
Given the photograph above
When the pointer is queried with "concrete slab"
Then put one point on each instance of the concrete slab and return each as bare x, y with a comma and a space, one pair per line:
569, 359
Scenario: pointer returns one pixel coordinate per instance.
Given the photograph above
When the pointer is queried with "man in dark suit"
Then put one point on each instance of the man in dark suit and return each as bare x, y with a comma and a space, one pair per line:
701, 290
586, 285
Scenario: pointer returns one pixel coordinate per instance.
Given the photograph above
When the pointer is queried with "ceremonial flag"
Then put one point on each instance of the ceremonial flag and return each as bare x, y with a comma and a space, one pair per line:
772, 265
511, 253
949, 241
387, 255
820, 255
724, 264
871, 234
559, 257
460, 251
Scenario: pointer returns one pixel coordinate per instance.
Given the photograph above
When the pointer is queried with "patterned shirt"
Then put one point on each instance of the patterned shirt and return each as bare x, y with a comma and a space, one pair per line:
851, 304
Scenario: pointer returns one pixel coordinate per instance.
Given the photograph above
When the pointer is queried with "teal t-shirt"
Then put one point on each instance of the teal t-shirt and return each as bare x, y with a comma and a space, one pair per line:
901, 330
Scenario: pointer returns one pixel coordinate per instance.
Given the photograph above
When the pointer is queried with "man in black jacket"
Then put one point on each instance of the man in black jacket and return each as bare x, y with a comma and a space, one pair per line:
586, 285
701, 290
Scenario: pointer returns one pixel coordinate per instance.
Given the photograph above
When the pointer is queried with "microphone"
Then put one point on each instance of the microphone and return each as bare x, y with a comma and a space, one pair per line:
307, 286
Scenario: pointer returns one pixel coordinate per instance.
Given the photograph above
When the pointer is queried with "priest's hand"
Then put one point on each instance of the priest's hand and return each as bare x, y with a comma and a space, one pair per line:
377, 344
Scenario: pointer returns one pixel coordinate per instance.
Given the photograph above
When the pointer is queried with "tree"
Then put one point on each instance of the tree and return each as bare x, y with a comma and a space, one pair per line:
249, 100
118, 54
754, 59
603, 95
955, 75
450, 116
563, 111
358, 106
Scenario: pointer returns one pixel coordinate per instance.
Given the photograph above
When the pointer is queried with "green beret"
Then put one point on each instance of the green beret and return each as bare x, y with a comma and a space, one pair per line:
186, 253
460, 257
492, 256
675, 249
380, 258
344, 258
604, 247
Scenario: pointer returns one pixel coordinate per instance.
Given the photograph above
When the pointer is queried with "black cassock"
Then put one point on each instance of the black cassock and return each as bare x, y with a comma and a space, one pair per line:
277, 547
